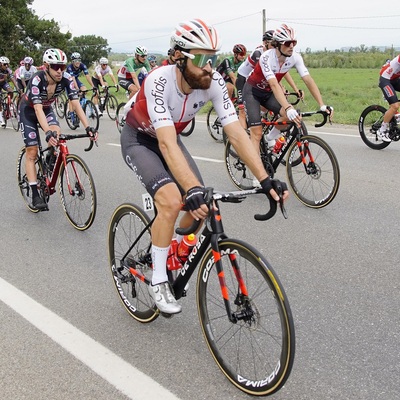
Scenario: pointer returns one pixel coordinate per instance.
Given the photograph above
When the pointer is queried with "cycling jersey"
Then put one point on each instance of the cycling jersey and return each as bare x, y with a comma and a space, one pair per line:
391, 70
132, 65
228, 66
250, 62
160, 103
6, 74
75, 72
268, 67
100, 71
24, 74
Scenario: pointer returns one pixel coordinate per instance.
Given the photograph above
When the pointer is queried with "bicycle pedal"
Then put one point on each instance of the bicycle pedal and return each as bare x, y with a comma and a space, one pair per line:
165, 315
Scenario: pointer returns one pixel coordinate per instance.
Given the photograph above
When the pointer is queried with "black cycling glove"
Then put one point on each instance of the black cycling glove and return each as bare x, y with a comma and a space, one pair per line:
50, 134
194, 198
267, 184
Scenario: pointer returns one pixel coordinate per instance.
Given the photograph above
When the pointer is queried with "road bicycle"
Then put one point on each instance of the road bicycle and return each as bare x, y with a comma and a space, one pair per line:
369, 123
10, 110
88, 108
107, 101
214, 125
59, 104
76, 184
311, 165
243, 310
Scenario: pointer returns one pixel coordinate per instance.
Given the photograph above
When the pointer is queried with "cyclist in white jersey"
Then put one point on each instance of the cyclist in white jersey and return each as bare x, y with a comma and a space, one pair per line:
262, 87
151, 146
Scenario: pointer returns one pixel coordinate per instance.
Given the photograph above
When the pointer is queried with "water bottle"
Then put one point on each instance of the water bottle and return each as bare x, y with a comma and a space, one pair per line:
172, 261
186, 246
278, 144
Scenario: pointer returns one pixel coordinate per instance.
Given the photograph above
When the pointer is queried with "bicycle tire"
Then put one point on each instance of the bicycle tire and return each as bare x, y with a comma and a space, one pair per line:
127, 223
368, 125
13, 114
189, 128
68, 117
256, 353
315, 182
111, 107
59, 104
79, 206
120, 119
238, 172
214, 125
4, 113
22, 179
91, 114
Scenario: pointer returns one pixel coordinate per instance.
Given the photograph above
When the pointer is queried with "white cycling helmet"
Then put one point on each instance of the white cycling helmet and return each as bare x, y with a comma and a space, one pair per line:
4, 60
141, 51
55, 56
103, 60
195, 34
28, 60
284, 33
75, 56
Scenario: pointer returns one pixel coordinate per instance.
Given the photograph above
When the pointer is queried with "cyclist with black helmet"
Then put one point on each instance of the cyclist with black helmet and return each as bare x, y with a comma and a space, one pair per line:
76, 68
151, 145
128, 73
25, 72
230, 65
262, 87
171, 59
36, 110
152, 59
98, 79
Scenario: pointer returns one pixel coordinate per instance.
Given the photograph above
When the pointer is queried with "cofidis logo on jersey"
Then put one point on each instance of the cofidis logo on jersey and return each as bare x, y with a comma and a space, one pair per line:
158, 95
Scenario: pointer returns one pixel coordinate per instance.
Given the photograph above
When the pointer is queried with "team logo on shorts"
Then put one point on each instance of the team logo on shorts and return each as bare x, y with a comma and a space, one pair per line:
32, 135
35, 90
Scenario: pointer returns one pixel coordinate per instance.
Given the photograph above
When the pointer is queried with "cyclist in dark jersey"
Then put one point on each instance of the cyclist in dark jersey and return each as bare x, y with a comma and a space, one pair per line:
77, 68
36, 110
151, 146
6, 75
230, 65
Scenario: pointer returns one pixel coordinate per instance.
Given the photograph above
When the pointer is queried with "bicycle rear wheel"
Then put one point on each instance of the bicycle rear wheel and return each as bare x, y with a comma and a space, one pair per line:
254, 346
111, 107
214, 125
315, 180
91, 114
131, 267
23, 182
120, 119
368, 125
77, 192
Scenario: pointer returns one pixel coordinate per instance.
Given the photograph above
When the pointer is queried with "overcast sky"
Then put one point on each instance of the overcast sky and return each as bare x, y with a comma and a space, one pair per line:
319, 24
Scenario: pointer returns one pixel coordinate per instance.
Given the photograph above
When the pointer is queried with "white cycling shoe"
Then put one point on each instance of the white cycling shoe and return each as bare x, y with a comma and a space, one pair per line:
164, 299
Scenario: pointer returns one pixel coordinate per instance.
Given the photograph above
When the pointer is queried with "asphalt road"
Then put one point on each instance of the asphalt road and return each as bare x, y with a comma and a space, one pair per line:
65, 335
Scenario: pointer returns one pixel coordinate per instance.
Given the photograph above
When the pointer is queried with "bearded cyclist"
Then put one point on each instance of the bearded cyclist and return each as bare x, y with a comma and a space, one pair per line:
151, 145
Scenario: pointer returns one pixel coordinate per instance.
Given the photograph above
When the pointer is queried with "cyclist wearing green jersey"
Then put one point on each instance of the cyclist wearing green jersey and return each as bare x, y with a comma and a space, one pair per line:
230, 65
128, 73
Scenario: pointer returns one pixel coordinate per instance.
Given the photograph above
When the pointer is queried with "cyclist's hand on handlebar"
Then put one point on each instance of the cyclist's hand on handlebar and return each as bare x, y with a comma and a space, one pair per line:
94, 135
51, 138
293, 115
328, 110
276, 190
195, 203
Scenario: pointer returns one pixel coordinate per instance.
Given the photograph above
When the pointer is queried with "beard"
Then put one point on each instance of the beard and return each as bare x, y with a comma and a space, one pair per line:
198, 81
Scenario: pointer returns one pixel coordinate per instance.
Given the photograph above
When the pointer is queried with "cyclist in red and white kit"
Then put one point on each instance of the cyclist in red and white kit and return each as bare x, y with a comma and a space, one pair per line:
151, 145
389, 82
262, 87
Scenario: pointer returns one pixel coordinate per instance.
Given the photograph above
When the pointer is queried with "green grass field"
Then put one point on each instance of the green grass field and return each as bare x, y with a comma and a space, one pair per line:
348, 90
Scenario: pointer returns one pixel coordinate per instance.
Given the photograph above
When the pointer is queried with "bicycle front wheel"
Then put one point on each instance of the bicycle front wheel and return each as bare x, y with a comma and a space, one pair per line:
255, 345
129, 253
240, 174
214, 125
315, 180
189, 129
77, 192
368, 125
120, 119
13, 114
91, 114
111, 107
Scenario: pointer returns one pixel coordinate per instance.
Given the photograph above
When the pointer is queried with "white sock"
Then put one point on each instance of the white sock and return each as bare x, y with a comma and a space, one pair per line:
159, 257
384, 126
274, 133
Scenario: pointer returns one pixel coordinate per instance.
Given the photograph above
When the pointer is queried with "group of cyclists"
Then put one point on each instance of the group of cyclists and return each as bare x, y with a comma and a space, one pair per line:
161, 107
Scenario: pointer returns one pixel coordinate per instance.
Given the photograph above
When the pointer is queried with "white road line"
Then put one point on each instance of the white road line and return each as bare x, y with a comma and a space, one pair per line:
98, 358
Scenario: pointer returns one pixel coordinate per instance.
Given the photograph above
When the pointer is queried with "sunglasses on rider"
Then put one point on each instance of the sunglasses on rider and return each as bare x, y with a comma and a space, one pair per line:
201, 60
56, 67
289, 42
